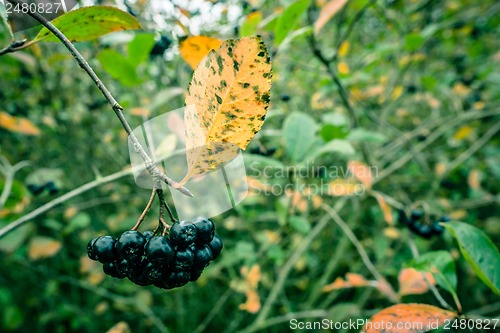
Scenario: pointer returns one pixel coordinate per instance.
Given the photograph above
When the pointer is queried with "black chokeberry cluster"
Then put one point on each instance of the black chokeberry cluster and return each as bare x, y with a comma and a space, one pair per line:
416, 223
165, 262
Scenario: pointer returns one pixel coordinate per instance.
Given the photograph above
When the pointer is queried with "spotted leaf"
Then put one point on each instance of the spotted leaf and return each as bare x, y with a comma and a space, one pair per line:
226, 103
195, 48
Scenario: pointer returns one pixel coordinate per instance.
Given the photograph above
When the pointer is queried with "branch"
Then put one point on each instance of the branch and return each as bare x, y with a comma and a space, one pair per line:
362, 252
117, 108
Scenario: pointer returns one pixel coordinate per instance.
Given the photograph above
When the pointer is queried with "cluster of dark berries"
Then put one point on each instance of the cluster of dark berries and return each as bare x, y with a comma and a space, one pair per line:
38, 189
166, 262
417, 224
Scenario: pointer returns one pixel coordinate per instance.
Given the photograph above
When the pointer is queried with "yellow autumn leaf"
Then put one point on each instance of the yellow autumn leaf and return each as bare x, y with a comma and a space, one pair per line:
342, 187
43, 247
397, 92
226, 103
463, 133
343, 68
344, 48
195, 48
18, 124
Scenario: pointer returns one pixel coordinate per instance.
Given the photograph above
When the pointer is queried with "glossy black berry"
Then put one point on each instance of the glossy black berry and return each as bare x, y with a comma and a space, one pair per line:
202, 257
158, 249
183, 234
35, 189
206, 230
90, 248
154, 271
183, 259
104, 249
423, 230
147, 235
51, 186
195, 274
128, 267
110, 269
438, 229
139, 279
130, 244
177, 279
416, 215
285, 98
216, 246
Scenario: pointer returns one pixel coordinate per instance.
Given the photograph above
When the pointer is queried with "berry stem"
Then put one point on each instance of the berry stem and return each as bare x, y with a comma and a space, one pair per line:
164, 204
145, 211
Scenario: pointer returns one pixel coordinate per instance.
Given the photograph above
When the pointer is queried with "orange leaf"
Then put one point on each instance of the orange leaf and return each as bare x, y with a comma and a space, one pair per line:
195, 48
252, 276
352, 280
327, 12
343, 68
120, 327
17, 124
412, 282
386, 209
252, 304
43, 247
362, 172
474, 179
408, 318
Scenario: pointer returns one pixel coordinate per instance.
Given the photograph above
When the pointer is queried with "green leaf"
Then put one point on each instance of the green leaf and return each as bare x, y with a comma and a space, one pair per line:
329, 132
361, 134
300, 224
13, 240
479, 251
446, 275
249, 26
413, 41
5, 19
119, 67
334, 146
289, 19
299, 135
89, 23
140, 47
79, 221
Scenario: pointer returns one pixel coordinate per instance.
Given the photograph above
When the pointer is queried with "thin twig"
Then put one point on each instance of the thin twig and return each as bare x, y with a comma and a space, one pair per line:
63, 198
362, 252
9, 173
145, 211
117, 108
16, 45
163, 203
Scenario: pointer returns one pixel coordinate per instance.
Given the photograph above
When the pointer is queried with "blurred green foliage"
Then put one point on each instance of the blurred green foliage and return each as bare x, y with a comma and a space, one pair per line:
422, 84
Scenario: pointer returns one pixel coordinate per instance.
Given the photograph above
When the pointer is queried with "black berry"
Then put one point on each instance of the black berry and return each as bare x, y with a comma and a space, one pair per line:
183, 259
216, 246
128, 267
183, 234
195, 274
110, 269
202, 257
158, 249
177, 279
90, 248
416, 215
130, 244
104, 249
206, 230
154, 272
